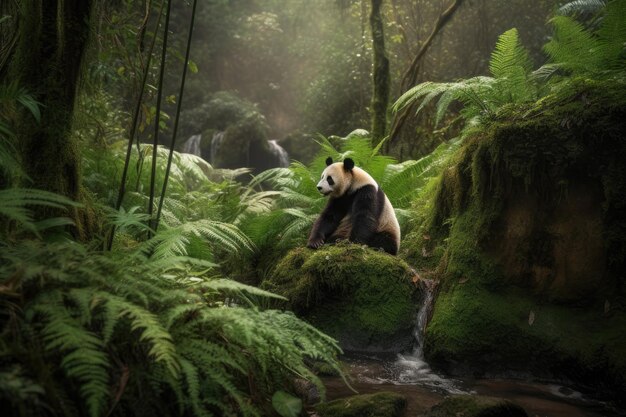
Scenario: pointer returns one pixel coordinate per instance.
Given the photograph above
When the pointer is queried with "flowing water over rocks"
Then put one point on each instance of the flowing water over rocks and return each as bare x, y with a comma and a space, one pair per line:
410, 375
280, 153
192, 145
216, 144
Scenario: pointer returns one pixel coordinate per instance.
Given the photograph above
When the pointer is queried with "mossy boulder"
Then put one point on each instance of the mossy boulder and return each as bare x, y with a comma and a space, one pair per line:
364, 298
476, 406
381, 404
300, 146
531, 216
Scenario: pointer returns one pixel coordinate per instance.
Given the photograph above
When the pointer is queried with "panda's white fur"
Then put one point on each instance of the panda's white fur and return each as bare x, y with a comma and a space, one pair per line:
343, 179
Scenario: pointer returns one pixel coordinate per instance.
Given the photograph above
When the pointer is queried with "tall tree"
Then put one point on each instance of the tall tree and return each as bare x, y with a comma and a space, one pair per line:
409, 79
46, 60
380, 97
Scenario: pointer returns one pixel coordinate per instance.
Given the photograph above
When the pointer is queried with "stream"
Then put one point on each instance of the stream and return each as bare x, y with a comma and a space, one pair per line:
411, 376
371, 374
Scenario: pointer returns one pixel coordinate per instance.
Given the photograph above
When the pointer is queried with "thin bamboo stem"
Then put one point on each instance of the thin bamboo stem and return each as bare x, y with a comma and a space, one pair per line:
176, 119
133, 127
157, 119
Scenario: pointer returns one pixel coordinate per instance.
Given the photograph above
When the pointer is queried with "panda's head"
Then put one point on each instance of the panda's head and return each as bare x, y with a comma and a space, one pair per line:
340, 178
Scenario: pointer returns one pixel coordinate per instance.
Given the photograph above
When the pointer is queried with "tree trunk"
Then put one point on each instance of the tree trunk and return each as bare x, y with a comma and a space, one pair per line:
409, 79
380, 97
46, 61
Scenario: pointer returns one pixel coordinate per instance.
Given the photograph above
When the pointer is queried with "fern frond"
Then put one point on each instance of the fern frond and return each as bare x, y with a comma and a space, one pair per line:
86, 310
612, 36
509, 55
193, 387
229, 286
16, 202
150, 330
83, 355
573, 47
173, 241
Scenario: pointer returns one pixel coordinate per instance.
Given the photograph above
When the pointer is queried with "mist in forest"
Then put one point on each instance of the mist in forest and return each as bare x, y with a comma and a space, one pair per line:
313, 208
305, 67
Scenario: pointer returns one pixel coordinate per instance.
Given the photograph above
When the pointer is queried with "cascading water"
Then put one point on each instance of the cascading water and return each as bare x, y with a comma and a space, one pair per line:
216, 144
280, 153
192, 145
412, 369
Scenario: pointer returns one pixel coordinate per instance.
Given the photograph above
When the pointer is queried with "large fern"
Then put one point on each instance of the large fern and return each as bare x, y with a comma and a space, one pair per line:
575, 51
294, 203
511, 82
122, 334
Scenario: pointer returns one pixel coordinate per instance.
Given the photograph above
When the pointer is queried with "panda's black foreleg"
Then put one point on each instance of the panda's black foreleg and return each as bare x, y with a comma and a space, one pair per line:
365, 213
328, 221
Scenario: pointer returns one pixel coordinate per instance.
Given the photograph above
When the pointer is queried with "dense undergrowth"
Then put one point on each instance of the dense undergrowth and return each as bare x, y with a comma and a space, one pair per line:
164, 326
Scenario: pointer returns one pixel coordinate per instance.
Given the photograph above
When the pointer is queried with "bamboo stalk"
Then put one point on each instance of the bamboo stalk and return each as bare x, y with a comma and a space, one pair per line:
133, 127
158, 116
177, 117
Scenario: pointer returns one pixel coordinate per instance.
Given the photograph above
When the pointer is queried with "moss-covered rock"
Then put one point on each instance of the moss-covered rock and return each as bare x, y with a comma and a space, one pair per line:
234, 133
476, 406
531, 214
364, 298
381, 404
300, 146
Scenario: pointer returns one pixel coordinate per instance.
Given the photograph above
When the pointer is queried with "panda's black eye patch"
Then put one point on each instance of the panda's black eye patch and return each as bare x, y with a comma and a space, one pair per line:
330, 180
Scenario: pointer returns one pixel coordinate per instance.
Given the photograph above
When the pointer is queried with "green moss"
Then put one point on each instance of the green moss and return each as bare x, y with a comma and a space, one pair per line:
529, 219
512, 331
381, 404
475, 406
362, 297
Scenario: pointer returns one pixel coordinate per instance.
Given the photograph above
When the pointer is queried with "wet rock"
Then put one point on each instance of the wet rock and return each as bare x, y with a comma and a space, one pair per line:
476, 406
364, 298
381, 404
306, 390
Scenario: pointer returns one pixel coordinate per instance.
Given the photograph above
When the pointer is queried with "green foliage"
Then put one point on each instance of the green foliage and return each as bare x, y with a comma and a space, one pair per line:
283, 217
317, 284
192, 198
286, 405
17, 205
117, 329
575, 52
481, 96
13, 99
582, 51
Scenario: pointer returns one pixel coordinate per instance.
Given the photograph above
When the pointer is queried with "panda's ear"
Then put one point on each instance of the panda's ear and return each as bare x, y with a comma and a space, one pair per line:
329, 161
348, 164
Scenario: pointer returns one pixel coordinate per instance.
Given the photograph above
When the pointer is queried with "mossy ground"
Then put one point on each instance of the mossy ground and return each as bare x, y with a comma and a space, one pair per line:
527, 230
381, 404
364, 298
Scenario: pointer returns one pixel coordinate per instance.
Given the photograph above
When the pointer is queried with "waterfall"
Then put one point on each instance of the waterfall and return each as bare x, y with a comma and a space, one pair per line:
412, 368
428, 291
216, 144
192, 145
280, 153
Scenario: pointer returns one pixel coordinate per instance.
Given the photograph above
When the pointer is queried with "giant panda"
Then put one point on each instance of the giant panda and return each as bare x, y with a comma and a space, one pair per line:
357, 210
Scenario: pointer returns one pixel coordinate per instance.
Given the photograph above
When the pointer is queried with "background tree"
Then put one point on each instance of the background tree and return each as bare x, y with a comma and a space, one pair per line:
46, 61
380, 95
